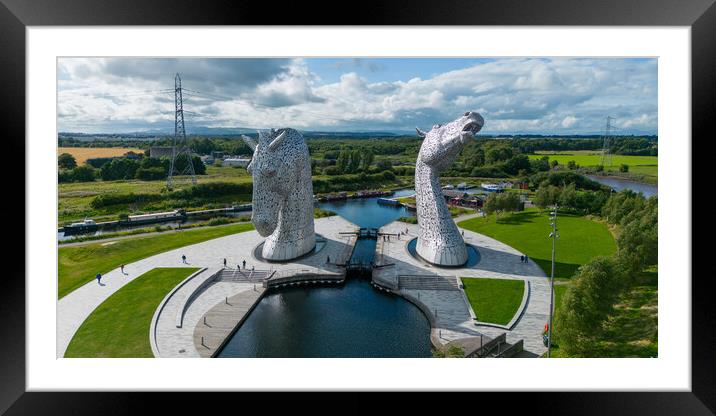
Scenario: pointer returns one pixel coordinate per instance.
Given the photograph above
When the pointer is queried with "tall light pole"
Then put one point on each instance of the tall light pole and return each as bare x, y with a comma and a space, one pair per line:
553, 235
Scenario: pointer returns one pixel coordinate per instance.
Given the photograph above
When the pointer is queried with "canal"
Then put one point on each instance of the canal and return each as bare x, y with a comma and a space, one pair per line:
618, 184
352, 320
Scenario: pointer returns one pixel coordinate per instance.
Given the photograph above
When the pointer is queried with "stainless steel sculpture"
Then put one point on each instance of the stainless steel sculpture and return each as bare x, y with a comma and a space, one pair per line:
282, 194
439, 241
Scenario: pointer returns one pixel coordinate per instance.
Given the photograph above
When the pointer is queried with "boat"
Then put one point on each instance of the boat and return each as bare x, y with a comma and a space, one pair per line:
177, 214
88, 225
491, 187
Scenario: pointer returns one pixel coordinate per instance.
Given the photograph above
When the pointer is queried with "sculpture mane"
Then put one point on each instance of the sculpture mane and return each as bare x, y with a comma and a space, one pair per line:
439, 240
282, 193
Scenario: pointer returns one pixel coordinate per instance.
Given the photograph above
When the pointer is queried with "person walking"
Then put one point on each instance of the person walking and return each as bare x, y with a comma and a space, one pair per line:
244, 263
526, 258
99, 278
224, 262
183, 258
522, 259
328, 259
121, 268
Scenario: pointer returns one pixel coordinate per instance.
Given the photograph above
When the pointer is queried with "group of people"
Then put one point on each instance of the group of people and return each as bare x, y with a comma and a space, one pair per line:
239, 266
523, 258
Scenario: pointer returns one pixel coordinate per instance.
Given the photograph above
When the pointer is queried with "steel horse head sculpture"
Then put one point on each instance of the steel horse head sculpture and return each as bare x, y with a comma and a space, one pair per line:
282, 193
439, 241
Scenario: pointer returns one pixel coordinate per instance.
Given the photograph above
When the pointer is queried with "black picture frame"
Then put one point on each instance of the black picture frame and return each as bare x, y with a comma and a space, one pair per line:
16, 15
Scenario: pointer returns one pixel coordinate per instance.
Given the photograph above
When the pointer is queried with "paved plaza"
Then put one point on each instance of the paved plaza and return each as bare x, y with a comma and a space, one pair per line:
453, 320
179, 322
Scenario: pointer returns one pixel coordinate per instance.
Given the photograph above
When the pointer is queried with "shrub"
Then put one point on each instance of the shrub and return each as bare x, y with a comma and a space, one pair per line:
66, 161
624, 168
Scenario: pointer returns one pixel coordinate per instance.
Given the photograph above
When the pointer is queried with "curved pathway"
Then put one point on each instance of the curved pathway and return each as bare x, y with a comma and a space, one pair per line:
75, 307
497, 261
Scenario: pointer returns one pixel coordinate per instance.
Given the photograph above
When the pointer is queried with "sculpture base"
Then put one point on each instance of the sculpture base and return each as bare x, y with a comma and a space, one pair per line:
258, 252
472, 256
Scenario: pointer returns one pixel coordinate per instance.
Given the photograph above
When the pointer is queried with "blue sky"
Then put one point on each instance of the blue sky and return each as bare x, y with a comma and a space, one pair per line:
514, 95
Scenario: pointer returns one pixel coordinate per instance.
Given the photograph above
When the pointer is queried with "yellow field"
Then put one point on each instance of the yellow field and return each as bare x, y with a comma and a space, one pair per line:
81, 154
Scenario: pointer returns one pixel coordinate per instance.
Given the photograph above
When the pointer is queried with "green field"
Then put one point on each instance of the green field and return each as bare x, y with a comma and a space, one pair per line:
645, 165
581, 239
78, 265
119, 327
494, 300
74, 199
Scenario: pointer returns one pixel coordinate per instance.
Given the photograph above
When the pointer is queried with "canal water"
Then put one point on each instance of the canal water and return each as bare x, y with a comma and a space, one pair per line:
352, 320
618, 184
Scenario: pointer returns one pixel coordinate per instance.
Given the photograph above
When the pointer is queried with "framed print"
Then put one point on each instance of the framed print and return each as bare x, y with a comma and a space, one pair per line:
308, 208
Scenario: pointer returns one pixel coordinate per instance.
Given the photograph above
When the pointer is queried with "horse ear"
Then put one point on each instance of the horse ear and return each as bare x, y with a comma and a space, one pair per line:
277, 141
420, 132
249, 142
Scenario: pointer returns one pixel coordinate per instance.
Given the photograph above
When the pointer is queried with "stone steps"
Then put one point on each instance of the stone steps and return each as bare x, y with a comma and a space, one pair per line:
234, 275
428, 282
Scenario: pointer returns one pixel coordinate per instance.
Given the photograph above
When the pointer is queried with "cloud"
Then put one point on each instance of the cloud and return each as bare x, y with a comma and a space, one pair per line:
552, 96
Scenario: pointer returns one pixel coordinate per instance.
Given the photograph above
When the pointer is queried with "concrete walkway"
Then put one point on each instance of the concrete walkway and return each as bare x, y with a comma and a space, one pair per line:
497, 260
74, 308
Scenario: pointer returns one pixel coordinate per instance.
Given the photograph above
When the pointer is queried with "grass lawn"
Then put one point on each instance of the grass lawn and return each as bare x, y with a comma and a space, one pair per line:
581, 239
494, 300
79, 264
119, 327
646, 165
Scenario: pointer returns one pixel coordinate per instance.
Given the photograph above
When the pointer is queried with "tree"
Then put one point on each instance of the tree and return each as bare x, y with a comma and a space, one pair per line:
571, 165
66, 161
343, 160
502, 202
587, 303
383, 164
83, 174
638, 243
546, 195
553, 163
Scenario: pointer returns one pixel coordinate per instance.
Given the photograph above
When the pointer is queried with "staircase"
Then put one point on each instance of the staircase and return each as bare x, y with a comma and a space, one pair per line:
427, 282
243, 276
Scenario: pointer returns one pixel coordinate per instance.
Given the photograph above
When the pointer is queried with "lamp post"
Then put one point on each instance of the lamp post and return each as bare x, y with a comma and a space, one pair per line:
553, 235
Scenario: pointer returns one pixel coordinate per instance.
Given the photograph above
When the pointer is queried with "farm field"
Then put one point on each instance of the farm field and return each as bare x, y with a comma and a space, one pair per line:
119, 327
81, 154
645, 165
581, 239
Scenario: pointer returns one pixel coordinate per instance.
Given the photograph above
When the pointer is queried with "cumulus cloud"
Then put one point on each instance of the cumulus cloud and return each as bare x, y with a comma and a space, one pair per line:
551, 96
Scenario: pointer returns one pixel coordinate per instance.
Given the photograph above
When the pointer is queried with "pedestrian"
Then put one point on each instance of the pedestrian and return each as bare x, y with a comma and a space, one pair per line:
328, 259
463, 233
121, 268
252, 268
244, 263
526, 258
99, 278
522, 259
224, 262
183, 258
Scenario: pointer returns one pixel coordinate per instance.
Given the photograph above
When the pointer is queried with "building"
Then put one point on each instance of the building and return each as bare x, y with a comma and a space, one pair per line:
231, 161
161, 151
